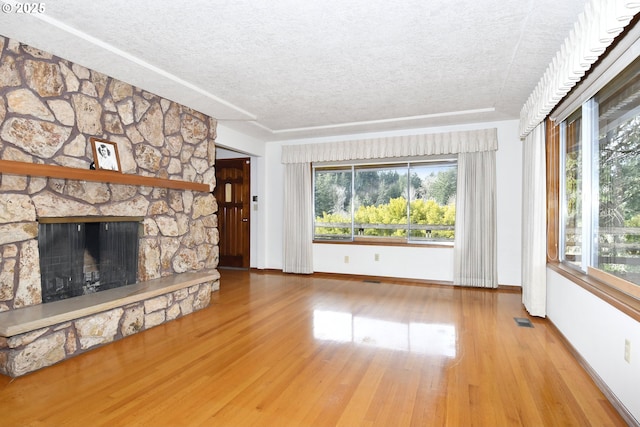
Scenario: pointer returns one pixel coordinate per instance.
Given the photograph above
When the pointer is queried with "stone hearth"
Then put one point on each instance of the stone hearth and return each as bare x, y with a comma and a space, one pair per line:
39, 336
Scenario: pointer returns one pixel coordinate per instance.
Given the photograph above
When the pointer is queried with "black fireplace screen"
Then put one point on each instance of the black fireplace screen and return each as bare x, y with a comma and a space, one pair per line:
85, 257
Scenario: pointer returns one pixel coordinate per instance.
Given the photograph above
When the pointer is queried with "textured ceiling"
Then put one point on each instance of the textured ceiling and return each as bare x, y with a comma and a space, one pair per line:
284, 69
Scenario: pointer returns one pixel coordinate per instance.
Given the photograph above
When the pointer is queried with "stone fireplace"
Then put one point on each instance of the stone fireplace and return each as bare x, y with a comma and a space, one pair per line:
49, 108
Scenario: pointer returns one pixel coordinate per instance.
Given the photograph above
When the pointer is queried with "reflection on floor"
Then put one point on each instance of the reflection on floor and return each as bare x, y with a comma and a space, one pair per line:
424, 338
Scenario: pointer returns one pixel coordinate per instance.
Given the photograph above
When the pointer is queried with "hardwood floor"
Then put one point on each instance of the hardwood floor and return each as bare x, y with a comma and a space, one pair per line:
287, 350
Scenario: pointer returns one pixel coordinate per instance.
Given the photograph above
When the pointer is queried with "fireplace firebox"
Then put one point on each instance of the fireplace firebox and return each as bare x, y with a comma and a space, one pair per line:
79, 256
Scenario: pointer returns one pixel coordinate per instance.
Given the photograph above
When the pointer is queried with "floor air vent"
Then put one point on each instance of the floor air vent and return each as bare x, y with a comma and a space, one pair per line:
371, 281
523, 322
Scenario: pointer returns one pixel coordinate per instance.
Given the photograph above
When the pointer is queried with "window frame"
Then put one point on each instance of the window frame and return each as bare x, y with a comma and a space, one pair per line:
590, 193
372, 164
616, 291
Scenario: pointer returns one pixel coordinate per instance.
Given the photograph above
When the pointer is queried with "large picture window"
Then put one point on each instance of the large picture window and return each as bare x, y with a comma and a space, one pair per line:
407, 202
601, 180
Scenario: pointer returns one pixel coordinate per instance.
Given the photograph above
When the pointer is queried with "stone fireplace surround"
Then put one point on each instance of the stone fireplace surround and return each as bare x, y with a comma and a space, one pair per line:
49, 108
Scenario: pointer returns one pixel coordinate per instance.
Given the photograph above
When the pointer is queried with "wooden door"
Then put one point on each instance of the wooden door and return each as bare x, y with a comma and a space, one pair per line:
232, 193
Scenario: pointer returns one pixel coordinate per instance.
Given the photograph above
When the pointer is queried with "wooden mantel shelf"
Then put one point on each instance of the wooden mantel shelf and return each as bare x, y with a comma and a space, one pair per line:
64, 172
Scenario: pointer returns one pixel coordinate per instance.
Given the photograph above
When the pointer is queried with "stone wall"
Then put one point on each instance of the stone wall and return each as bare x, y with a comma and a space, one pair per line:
49, 108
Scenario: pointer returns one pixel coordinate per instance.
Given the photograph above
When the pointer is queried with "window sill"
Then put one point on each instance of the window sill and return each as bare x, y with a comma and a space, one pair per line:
623, 301
385, 242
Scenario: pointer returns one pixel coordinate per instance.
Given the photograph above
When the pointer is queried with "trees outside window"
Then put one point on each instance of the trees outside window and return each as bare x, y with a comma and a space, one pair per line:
412, 202
572, 236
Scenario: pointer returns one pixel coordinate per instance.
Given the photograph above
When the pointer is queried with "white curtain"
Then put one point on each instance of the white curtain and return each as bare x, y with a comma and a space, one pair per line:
475, 250
298, 219
534, 231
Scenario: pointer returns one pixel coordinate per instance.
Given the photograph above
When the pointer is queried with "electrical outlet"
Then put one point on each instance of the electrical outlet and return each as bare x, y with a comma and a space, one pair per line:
627, 350
376, 257
346, 259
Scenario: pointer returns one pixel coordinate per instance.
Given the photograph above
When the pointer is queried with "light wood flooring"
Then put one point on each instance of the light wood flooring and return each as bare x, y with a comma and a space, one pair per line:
288, 350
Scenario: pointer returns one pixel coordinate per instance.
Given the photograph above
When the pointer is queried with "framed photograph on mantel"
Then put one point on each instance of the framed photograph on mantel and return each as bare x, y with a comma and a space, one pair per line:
105, 154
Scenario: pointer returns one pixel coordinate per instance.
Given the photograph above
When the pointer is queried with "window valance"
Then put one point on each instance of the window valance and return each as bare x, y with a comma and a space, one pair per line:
595, 30
394, 146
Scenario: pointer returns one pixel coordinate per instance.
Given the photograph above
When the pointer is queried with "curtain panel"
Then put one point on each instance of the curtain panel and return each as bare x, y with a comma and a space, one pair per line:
534, 227
393, 146
475, 249
297, 242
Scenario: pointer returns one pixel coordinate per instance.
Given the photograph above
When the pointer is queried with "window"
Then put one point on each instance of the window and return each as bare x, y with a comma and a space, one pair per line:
601, 180
573, 188
332, 203
403, 202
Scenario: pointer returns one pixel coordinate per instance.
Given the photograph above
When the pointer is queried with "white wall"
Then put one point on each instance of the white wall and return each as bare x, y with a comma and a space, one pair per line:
394, 261
407, 262
236, 141
598, 331
509, 203
274, 174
